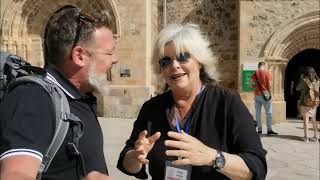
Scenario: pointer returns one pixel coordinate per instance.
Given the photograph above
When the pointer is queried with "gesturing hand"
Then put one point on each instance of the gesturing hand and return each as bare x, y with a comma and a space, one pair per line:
143, 145
192, 151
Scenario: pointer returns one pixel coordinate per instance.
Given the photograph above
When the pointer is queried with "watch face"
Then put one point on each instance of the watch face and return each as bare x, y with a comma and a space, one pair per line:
220, 162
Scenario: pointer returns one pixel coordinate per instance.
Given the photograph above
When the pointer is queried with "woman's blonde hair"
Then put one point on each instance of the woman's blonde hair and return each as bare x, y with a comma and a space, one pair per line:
186, 37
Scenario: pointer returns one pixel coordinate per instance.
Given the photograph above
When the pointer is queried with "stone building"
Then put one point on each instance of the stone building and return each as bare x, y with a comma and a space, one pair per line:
283, 33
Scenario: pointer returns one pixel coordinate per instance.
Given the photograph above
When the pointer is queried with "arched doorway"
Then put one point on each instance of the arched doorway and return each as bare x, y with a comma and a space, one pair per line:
285, 51
308, 57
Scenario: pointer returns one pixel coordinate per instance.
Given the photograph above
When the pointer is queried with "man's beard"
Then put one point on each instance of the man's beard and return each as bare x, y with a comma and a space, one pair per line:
97, 81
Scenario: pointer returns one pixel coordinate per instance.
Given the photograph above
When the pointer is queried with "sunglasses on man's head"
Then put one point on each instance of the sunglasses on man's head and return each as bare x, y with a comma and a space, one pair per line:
166, 61
81, 19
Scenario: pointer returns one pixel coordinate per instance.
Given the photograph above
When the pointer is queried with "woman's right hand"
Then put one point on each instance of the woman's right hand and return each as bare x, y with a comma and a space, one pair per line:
136, 157
143, 146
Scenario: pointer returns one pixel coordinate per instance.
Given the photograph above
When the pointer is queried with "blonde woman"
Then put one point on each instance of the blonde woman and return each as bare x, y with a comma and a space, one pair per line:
198, 129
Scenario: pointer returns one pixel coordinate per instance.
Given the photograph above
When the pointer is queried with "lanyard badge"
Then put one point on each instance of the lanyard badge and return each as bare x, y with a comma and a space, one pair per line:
173, 172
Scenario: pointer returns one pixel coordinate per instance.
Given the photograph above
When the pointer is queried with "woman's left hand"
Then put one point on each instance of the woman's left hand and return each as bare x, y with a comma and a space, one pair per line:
192, 151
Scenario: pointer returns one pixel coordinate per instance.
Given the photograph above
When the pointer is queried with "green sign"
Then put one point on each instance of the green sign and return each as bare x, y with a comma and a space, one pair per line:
246, 76
247, 71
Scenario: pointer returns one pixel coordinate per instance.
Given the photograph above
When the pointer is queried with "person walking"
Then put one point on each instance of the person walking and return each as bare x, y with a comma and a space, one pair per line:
309, 87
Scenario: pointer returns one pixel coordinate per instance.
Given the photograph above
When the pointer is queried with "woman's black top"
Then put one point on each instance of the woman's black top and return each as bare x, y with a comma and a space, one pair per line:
219, 119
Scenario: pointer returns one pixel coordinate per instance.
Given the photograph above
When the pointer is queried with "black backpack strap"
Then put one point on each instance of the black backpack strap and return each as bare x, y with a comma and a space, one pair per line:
258, 82
72, 147
64, 120
69, 121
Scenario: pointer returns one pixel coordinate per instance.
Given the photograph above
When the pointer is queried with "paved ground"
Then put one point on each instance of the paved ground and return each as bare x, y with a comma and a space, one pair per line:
289, 158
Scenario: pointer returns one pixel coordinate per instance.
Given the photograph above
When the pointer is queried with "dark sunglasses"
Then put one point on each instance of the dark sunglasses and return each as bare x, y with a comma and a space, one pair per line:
182, 59
81, 19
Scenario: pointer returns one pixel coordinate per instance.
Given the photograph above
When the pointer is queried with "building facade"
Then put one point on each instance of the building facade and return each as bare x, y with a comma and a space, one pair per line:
283, 33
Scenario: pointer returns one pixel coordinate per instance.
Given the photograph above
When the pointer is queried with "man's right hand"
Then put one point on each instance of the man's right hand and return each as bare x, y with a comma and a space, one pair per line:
138, 156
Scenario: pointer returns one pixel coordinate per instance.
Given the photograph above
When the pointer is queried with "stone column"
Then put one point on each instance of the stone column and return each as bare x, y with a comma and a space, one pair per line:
277, 67
20, 48
276, 83
28, 50
281, 79
10, 46
4, 44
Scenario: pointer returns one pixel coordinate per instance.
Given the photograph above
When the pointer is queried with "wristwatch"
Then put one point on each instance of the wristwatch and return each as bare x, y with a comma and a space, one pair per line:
219, 161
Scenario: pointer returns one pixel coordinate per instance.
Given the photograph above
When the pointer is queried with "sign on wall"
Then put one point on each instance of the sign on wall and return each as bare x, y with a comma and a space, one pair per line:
247, 71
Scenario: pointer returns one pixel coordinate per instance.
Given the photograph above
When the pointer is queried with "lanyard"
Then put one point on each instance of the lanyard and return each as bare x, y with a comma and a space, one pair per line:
187, 125
188, 122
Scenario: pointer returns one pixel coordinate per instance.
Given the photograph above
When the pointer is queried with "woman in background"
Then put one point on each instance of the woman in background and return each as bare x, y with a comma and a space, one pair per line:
309, 101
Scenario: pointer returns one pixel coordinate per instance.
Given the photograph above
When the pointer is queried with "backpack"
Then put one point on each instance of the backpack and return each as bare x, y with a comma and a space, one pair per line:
311, 98
14, 71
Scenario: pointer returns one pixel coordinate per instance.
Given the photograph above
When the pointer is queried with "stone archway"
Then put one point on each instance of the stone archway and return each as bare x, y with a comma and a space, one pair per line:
23, 24
299, 34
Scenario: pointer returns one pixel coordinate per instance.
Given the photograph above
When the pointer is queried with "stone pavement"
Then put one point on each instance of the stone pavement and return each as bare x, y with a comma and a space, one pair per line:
289, 158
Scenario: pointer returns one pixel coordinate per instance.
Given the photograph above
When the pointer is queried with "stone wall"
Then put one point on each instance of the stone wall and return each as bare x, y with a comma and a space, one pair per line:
127, 94
264, 18
219, 20
122, 102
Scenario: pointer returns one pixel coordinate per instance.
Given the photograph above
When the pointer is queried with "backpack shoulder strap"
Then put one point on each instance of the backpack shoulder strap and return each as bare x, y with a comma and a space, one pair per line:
63, 118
